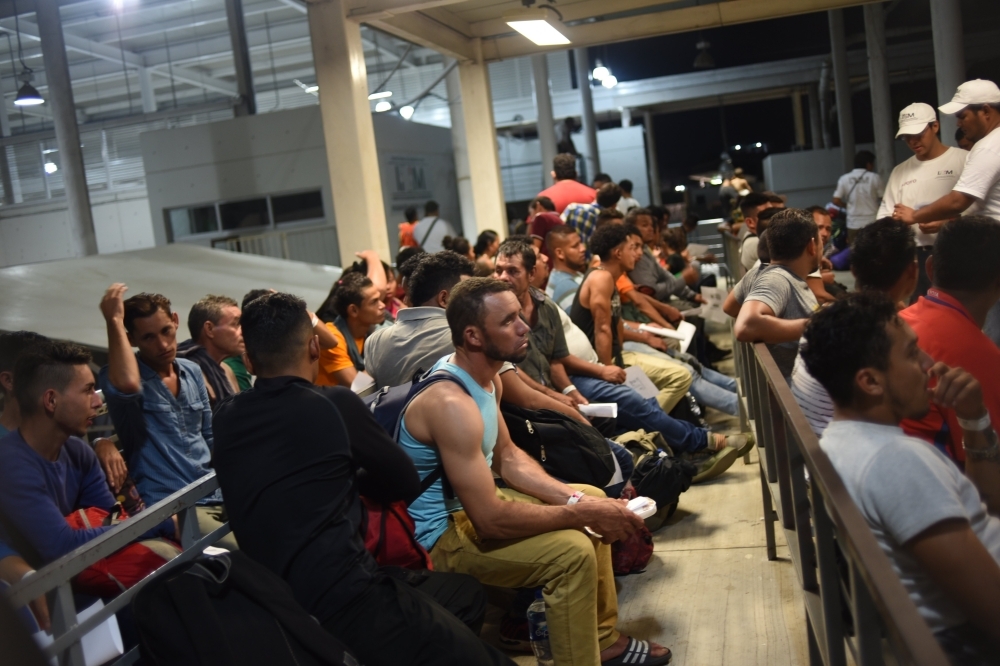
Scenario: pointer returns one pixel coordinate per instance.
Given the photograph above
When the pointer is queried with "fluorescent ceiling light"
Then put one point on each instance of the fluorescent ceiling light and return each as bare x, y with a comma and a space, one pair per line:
380, 95
383, 106
535, 26
609, 81
407, 112
312, 90
50, 167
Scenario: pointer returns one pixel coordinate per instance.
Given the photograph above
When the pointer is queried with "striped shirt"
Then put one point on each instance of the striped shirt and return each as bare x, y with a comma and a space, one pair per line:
812, 397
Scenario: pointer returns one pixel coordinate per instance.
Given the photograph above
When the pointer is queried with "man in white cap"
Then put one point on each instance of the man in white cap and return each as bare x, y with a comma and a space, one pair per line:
931, 173
976, 106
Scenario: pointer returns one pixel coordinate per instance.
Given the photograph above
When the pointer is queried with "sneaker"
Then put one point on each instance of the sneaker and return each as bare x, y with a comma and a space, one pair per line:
711, 464
514, 633
742, 443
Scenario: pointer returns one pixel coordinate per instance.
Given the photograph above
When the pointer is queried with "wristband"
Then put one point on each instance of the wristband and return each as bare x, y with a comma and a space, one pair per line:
574, 498
569, 389
315, 321
976, 425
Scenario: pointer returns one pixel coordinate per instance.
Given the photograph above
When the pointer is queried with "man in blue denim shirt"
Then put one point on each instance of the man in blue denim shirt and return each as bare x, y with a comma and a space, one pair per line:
158, 404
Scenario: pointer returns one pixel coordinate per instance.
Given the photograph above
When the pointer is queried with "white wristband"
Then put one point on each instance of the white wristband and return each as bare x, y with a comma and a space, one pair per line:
569, 389
976, 425
574, 498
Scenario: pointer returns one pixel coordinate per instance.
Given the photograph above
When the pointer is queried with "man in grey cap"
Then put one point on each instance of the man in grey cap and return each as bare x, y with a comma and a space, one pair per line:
976, 106
931, 173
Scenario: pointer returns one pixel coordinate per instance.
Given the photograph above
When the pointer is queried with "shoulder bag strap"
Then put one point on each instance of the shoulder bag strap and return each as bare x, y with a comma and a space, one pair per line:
429, 230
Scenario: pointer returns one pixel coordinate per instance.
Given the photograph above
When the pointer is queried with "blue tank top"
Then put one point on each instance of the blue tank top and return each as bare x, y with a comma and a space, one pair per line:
430, 511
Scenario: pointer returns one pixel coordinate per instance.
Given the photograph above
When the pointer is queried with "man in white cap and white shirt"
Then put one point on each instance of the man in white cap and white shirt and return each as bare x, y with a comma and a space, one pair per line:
931, 173
976, 106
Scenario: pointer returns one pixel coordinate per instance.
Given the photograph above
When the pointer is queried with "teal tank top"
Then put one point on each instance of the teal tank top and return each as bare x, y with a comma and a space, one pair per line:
430, 511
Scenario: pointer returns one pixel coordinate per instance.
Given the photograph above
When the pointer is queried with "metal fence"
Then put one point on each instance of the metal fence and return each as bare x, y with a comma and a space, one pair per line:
854, 600
315, 245
55, 579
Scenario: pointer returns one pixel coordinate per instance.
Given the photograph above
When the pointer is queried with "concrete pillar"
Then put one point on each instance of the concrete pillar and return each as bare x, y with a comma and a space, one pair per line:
655, 198
546, 123
842, 84
246, 103
463, 175
593, 164
355, 182
626, 116
799, 119
815, 118
148, 94
878, 78
481, 139
5, 177
949, 58
60, 100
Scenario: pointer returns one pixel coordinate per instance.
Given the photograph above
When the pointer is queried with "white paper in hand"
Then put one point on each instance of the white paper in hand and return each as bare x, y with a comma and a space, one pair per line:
607, 410
362, 382
696, 250
100, 646
712, 309
684, 333
642, 385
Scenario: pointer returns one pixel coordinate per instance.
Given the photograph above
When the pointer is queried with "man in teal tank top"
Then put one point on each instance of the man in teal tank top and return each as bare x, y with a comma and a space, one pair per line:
531, 533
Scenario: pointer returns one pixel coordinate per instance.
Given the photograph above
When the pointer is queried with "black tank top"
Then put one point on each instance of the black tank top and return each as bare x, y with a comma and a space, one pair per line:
583, 318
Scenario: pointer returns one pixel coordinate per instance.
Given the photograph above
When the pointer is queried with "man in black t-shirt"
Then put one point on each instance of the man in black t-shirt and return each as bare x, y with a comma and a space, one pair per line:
292, 466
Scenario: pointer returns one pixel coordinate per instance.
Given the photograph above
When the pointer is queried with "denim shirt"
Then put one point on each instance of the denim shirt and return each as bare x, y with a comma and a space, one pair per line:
167, 439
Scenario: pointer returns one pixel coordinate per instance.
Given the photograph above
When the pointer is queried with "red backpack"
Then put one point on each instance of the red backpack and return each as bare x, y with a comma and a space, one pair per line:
121, 570
390, 536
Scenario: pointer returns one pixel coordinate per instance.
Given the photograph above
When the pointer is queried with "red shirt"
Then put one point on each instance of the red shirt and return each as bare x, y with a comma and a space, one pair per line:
565, 192
948, 334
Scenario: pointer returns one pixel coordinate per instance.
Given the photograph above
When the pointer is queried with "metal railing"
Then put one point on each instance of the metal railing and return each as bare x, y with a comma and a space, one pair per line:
315, 245
54, 580
854, 599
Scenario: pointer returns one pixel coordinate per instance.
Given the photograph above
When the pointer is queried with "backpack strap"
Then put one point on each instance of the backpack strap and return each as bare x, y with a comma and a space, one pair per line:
418, 387
429, 230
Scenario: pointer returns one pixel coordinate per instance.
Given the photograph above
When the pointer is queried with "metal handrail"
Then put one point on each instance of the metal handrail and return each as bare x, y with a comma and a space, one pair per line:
819, 517
56, 576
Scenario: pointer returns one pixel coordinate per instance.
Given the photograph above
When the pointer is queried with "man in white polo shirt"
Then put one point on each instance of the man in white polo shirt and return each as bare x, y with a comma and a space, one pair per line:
931, 173
859, 192
976, 106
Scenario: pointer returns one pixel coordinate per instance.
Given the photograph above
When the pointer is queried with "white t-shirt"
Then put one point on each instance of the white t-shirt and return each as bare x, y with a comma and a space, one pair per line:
748, 252
625, 203
861, 191
915, 184
576, 340
981, 177
903, 485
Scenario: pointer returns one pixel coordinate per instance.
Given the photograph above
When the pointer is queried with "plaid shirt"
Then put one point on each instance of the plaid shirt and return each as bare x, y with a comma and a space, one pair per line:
583, 218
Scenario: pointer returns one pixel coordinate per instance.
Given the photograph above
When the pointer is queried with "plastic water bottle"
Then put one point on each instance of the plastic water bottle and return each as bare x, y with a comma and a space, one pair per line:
538, 631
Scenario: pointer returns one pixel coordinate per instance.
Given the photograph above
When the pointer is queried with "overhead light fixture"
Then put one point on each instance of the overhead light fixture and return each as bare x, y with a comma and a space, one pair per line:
738, 147
717, 180
704, 59
758, 144
383, 106
51, 168
27, 95
407, 112
600, 72
380, 95
534, 24
312, 90
679, 188
609, 81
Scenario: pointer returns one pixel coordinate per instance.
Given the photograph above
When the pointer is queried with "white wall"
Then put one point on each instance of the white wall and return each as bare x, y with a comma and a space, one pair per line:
623, 155
284, 152
30, 233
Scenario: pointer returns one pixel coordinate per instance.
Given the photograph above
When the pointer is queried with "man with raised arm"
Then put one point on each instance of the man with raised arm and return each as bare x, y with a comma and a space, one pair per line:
158, 404
926, 515
536, 532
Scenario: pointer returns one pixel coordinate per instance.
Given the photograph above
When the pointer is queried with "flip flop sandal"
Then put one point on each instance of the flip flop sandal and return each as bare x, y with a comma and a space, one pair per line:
637, 652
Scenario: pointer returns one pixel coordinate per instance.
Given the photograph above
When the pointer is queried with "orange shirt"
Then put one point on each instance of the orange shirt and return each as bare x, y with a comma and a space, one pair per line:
565, 192
625, 285
333, 360
946, 331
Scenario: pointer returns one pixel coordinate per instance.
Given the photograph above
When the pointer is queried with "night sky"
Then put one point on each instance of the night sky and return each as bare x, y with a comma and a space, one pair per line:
690, 141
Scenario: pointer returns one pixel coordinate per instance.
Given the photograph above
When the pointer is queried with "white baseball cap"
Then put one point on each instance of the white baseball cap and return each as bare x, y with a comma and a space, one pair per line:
978, 91
915, 118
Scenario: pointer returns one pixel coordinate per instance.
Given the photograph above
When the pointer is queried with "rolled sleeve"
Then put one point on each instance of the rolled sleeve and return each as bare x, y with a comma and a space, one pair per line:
981, 173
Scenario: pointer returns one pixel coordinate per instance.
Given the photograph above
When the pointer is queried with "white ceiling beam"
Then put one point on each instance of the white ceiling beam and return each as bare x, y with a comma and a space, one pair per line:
371, 9
424, 31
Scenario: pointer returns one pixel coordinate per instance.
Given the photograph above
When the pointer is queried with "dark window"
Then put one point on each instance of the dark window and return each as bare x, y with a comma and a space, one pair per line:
244, 214
297, 207
191, 221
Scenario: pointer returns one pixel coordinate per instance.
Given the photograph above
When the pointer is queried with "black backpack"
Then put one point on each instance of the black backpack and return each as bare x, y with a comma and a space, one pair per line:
229, 611
658, 474
567, 449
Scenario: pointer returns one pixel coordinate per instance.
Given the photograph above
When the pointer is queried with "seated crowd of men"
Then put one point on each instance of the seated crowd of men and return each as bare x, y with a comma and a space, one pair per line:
901, 388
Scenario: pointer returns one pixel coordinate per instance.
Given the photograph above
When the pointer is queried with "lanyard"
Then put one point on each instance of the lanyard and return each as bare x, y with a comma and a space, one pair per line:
935, 296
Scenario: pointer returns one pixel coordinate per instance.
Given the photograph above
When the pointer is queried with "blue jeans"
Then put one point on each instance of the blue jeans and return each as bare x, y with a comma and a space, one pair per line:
635, 413
709, 387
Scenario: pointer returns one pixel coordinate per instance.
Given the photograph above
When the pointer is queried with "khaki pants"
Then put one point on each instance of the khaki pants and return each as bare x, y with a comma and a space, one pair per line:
672, 379
573, 568
211, 518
